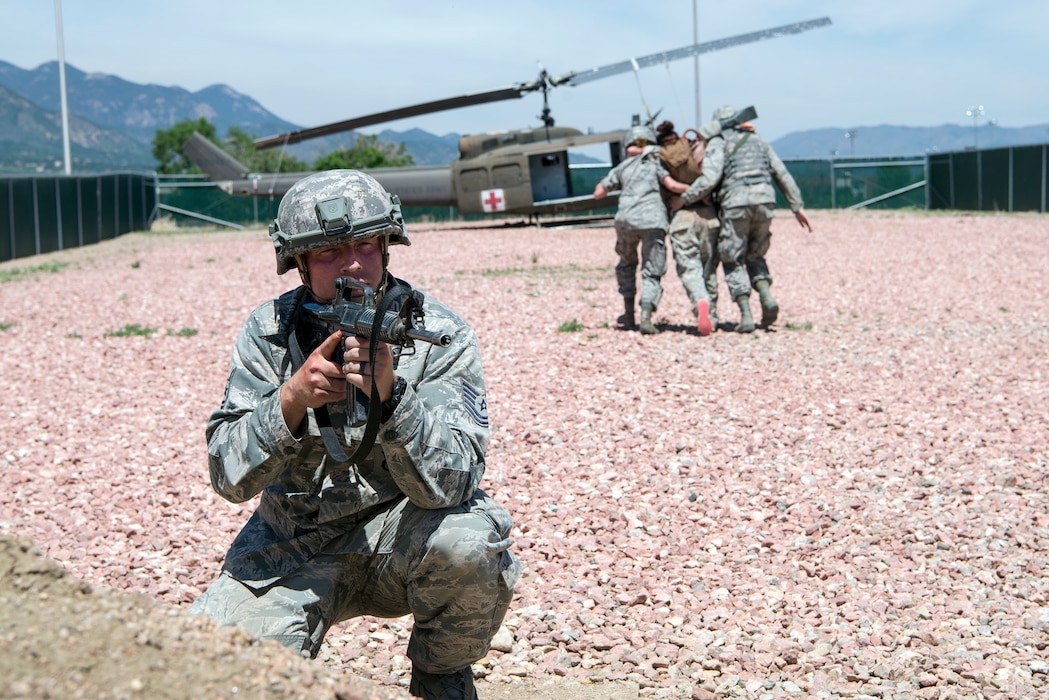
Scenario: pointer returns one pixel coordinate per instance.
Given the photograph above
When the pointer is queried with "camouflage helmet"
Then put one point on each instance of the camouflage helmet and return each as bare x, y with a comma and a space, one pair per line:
333, 207
724, 112
641, 132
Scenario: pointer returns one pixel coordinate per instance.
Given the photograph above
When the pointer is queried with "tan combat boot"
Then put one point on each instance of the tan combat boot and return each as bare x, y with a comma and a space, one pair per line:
746, 320
769, 307
647, 327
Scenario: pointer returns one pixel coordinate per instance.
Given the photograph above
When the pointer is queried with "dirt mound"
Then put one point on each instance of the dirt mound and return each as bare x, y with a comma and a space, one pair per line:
63, 638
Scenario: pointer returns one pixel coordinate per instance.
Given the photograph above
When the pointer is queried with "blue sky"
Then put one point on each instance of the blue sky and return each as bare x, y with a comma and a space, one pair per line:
909, 63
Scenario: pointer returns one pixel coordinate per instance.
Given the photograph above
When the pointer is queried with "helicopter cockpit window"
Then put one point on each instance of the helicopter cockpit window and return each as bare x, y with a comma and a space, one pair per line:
551, 159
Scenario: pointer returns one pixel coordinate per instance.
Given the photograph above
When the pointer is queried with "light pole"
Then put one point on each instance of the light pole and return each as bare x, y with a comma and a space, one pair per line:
695, 40
975, 113
62, 87
851, 136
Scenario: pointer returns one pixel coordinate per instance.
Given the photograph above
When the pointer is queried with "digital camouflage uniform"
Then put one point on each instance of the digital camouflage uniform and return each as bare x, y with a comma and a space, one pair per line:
641, 219
693, 237
740, 168
404, 530
693, 234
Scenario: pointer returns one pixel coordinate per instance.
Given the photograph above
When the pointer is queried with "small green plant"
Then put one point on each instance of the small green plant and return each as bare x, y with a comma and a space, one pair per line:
572, 326
799, 326
183, 332
74, 334
492, 272
130, 330
23, 272
1003, 309
5, 326
535, 258
137, 264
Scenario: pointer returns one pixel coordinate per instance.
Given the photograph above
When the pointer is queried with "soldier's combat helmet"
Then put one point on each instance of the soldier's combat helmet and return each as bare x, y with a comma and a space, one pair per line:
333, 207
713, 127
724, 112
639, 133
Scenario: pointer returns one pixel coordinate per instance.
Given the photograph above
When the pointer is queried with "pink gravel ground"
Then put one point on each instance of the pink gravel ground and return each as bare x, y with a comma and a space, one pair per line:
852, 504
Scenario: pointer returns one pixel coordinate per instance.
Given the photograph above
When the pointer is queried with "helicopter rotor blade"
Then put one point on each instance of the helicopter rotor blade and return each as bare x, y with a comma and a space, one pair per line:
477, 98
543, 82
579, 77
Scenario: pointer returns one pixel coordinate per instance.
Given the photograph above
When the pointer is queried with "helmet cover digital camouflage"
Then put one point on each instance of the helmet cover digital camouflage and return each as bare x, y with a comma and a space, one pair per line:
724, 112
330, 208
641, 133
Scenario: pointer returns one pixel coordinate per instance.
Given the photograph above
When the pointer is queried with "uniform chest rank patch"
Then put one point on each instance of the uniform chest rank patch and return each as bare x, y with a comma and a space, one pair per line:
475, 404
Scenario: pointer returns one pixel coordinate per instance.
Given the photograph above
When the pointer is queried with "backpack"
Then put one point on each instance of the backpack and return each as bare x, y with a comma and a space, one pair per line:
684, 157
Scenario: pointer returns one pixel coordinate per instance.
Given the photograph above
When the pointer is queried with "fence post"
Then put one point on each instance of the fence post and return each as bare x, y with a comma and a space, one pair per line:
58, 212
950, 162
979, 180
833, 186
79, 216
36, 218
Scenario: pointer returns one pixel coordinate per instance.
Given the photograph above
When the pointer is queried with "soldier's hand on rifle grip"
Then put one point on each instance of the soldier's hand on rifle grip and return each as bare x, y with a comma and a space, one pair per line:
360, 373
317, 382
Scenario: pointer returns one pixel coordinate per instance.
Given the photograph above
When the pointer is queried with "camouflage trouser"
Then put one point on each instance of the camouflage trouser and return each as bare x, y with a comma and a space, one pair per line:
451, 569
694, 239
653, 262
743, 244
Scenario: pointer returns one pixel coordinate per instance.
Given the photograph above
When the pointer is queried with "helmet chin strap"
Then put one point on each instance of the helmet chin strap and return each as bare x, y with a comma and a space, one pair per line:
304, 273
385, 266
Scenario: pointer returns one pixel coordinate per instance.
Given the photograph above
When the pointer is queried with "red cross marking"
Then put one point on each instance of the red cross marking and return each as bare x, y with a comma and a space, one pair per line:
492, 200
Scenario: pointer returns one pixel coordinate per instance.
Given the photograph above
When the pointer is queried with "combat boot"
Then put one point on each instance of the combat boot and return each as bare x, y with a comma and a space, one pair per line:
626, 319
458, 685
769, 307
703, 322
746, 320
647, 327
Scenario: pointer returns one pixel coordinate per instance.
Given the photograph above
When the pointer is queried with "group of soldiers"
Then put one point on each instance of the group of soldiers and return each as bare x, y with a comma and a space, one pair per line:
715, 203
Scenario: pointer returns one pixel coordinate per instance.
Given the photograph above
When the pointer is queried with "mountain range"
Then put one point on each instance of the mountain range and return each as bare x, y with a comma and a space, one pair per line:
113, 121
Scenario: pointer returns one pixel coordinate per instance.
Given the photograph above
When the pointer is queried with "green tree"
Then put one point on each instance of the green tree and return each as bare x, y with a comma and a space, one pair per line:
167, 145
241, 146
367, 153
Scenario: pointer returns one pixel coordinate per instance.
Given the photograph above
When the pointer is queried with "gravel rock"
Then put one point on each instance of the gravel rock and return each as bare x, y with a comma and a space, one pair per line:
852, 503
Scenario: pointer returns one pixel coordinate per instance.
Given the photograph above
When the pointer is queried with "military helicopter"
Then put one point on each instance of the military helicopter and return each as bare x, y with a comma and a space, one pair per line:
522, 172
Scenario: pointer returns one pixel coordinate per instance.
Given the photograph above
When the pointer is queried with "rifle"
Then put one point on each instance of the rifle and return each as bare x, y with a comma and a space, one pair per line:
717, 126
400, 327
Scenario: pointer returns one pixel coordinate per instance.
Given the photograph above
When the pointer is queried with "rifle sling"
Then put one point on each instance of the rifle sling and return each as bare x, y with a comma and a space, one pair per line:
739, 144
371, 429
